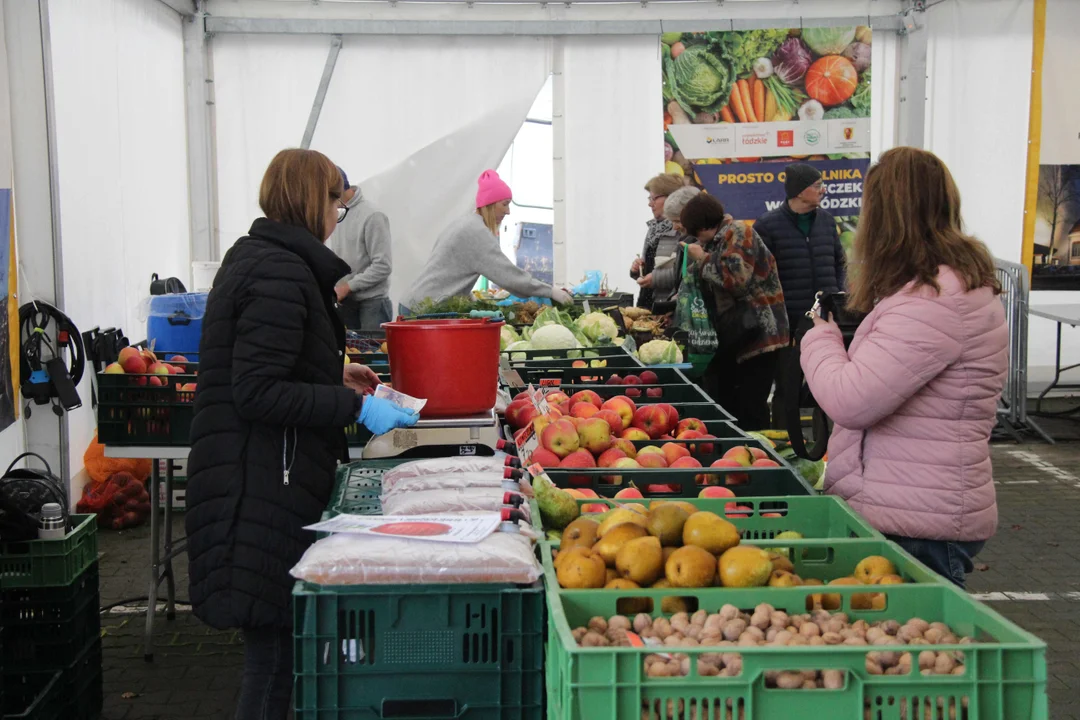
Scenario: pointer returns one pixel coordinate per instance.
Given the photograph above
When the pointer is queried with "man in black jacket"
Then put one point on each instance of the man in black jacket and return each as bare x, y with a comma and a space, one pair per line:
803, 239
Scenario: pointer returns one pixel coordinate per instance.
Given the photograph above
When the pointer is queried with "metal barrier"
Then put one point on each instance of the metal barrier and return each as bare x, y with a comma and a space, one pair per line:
1012, 406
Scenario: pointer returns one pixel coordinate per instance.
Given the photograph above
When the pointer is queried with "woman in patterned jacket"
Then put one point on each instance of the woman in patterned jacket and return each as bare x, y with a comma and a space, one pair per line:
746, 306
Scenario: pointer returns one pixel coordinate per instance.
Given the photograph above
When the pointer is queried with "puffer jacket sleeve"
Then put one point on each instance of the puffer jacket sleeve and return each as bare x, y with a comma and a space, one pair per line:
908, 344
268, 344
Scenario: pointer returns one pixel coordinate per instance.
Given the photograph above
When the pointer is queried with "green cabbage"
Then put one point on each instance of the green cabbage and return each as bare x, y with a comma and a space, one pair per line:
860, 101
597, 325
553, 337
840, 112
554, 316
507, 336
742, 47
660, 352
515, 350
698, 80
828, 40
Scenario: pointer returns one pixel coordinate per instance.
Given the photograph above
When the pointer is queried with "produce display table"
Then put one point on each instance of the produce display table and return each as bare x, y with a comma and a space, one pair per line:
163, 552
1062, 314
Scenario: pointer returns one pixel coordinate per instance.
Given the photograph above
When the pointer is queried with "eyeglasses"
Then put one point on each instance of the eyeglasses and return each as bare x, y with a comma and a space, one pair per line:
342, 211
654, 198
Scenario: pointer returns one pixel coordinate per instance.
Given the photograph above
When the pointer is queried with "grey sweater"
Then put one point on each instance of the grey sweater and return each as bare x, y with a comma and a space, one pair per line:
363, 241
465, 250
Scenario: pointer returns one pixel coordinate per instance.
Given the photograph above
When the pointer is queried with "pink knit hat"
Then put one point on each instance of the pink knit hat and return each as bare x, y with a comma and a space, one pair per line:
491, 189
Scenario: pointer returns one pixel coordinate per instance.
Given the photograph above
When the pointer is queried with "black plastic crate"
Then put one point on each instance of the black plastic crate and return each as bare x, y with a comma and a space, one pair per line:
132, 410
48, 628
33, 696
73, 693
83, 684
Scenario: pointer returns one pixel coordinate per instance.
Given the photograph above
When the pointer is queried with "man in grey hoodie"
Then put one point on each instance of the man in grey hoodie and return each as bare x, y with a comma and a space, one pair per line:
362, 240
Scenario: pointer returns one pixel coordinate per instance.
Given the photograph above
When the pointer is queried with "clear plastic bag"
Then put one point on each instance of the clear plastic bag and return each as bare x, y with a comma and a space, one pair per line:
443, 466
448, 500
453, 480
366, 560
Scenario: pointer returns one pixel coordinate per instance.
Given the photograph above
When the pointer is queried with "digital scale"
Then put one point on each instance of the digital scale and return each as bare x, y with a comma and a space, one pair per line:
475, 435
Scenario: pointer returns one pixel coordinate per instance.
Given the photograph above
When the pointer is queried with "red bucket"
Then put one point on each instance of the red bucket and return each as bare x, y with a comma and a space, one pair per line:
453, 364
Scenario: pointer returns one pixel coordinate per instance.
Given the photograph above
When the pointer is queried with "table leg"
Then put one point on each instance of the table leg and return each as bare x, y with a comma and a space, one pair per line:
1057, 372
167, 553
155, 578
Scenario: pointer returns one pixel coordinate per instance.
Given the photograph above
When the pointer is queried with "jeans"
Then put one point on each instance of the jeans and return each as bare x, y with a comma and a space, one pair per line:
952, 560
267, 684
366, 315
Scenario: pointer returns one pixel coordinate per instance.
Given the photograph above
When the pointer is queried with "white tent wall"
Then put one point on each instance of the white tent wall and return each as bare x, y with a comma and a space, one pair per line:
614, 143
121, 153
412, 120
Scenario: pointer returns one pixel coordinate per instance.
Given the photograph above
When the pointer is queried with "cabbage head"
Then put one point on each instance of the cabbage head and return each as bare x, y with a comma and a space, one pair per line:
507, 337
828, 40
660, 352
515, 350
553, 337
699, 80
596, 325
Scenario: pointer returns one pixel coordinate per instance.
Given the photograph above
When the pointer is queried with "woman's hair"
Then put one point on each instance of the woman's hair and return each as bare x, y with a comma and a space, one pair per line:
665, 184
702, 212
910, 225
296, 188
487, 214
677, 200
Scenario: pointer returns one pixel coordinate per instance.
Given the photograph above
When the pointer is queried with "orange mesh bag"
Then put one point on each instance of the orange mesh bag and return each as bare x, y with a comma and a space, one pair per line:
100, 468
121, 502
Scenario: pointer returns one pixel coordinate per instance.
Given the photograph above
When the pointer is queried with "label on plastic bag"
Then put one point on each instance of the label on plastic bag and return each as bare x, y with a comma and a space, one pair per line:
431, 528
399, 398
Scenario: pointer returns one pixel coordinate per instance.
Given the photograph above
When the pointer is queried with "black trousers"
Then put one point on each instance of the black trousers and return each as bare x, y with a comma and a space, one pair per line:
267, 683
743, 388
783, 357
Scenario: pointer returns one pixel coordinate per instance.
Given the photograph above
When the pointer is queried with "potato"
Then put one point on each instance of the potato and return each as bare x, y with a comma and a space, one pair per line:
641, 622
832, 679
757, 632
729, 612
810, 630
749, 639
816, 640
949, 639
918, 624
733, 629
905, 663
944, 663
770, 634
891, 627
832, 638
933, 635
797, 640
659, 669
683, 665
694, 631
579, 633
782, 637
779, 619
854, 640
699, 617
705, 669
874, 633
895, 670
619, 622
598, 624
872, 667
594, 639
714, 622
941, 626
662, 627
927, 658
761, 620
789, 680
809, 685
959, 670
833, 625
673, 640
689, 642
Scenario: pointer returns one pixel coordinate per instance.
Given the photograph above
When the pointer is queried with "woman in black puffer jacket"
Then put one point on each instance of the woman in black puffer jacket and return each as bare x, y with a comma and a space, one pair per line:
273, 399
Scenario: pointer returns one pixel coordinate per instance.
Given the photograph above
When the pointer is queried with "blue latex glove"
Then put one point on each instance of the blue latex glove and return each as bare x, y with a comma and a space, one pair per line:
380, 416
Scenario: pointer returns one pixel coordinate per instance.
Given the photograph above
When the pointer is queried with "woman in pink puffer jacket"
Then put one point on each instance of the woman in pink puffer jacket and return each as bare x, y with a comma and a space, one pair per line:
914, 398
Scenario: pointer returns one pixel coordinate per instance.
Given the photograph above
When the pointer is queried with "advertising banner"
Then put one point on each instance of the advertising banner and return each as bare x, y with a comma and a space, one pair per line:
740, 105
1052, 242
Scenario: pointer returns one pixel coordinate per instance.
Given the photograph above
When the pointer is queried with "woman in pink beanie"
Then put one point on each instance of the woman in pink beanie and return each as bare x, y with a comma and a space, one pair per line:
469, 248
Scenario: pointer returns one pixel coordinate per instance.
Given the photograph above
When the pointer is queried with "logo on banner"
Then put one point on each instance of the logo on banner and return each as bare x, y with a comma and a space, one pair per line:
849, 132
709, 140
785, 138
812, 137
755, 139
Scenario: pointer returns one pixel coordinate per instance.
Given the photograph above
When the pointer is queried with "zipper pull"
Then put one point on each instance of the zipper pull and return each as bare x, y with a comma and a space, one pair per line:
286, 476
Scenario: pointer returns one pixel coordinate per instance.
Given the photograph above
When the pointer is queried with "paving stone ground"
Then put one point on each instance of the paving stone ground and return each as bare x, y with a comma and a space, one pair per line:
1036, 553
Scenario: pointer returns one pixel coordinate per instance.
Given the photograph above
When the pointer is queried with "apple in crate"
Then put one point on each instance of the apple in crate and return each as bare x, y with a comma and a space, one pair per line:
578, 459
609, 456
586, 396
648, 377
629, 493
558, 397
634, 433
595, 507
545, 458
560, 437
652, 419
715, 491
520, 413
114, 369
623, 464
631, 380
613, 419
583, 410
614, 380
690, 424
594, 435
732, 478
740, 454
633, 393
673, 417
132, 362
673, 452
627, 446
654, 392
758, 453
622, 406
652, 460
765, 462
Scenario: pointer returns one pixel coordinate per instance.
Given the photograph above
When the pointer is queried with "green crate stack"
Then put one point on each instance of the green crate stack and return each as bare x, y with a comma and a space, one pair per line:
49, 601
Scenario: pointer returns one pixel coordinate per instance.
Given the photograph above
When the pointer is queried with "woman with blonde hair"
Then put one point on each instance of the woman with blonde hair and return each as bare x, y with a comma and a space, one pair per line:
659, 188
273, 401
914, 398
469, 247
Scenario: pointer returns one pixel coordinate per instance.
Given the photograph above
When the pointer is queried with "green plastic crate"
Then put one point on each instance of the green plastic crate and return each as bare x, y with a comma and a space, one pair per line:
358, 486
1005, 677
412, 651
556, 376
682, 483
50, 563
814, 516
38, 696
48, 628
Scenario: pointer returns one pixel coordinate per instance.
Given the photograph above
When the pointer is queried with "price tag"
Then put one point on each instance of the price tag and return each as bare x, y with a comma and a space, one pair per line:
585, 306
527, 443
550, 382
540, 401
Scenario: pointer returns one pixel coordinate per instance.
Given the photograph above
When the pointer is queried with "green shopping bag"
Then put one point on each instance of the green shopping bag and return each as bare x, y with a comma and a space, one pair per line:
692, 317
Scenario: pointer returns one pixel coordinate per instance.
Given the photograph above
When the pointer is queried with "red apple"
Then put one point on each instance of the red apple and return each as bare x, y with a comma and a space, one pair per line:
652, 460
178, 359
690, 424
613, 419
623, 464
686, 462
545, 458
114, 369
673, 416
746, 511
740, 454
654, 392
594, 434
673, 452
631, 380
648, 377
626, 445
133, 363
715, 491
614, 380
560, 437
579, 364
578, 459
520, 413
557, 397
633, 392
765, 462
623, 407
707, 448
156, 381
758, 453
630, 493
609, 456
525, 395
652, 419
583, 410
634, 433
586, 396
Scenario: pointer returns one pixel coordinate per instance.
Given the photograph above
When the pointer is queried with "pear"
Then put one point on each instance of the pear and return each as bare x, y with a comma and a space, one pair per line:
620, 516
582, 531
640, 560
691, 567
710, 532
666, 523
609, 545
581, 568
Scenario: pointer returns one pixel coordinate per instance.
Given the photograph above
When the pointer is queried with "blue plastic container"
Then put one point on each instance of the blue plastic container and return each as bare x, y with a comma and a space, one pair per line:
174, 324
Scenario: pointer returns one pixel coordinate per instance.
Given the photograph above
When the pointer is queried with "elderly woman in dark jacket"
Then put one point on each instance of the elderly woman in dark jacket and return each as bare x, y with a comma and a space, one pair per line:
273, 400
659, 188
739, 273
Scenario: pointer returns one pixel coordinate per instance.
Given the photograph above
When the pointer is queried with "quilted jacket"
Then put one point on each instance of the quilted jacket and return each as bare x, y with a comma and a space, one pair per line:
914, 400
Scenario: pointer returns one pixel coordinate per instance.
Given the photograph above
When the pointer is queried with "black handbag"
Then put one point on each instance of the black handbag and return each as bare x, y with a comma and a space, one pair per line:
830, 306
22, 493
